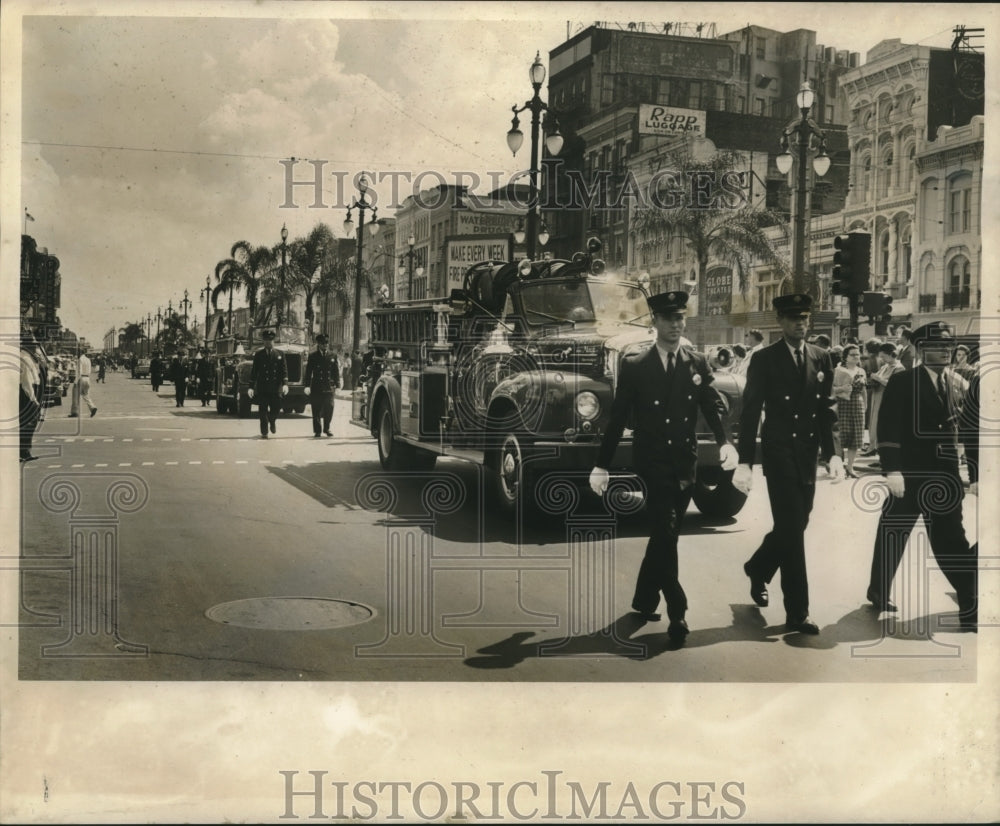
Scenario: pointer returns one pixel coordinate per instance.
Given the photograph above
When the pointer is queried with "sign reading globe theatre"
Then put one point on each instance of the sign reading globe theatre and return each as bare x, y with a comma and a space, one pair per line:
666, 121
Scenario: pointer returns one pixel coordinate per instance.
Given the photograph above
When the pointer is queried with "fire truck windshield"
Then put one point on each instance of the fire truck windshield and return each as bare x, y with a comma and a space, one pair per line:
576, 301
616, 302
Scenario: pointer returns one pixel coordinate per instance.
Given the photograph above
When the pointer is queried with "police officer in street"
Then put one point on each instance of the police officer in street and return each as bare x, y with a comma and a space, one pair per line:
179, 368
267, 383
662, 390
321, 380
918, 434
156, 371
790, 382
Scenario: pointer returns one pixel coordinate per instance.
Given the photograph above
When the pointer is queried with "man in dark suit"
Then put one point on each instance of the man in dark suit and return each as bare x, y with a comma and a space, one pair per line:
321, 380
663, 390
267, 383
791, 381
156, 371
918, 447
179, 376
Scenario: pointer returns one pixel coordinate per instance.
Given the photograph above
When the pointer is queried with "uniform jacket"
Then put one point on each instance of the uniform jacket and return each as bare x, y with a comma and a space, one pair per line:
665, 413
268, 372
156, 369
178, 371
917, 434
205, 370
800, 418
322, 372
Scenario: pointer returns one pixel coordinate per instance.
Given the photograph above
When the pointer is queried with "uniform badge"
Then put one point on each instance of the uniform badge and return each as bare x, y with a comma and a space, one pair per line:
820, 376
696, 379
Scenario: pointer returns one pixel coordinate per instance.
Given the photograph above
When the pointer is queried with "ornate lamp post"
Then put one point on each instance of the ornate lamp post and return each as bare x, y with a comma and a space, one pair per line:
159, 318
149, 335
402, 270
361, 204
281, 303
553, 142
186, 303
802, 135
206, 295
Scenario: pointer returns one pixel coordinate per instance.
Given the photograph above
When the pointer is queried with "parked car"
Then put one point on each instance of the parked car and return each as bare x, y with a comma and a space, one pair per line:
141, 369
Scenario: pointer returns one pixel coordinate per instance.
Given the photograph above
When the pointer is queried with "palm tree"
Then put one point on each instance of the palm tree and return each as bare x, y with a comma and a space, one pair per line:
249, 266
733, 235
133, 334
228, 279
310, 269
174, 334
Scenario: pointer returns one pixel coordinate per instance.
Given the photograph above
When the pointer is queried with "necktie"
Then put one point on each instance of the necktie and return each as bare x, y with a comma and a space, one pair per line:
670, 365
798, 362
942, 391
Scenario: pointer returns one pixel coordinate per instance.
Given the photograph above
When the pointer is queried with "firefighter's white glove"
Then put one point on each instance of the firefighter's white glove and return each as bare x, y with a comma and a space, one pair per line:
284, 390
728, 457
308, 391
974, 489
837, 469
599, 480
743, 478
897, 487
250, 392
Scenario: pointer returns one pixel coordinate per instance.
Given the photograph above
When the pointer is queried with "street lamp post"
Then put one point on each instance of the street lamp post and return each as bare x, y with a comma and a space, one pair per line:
149, 335
186, 303
801, 134
206, 295
361, 204
553, 142
403, 270
281, 302
159, 318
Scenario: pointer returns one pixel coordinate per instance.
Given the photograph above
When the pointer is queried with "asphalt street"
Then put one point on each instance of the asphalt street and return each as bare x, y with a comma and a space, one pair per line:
165, 543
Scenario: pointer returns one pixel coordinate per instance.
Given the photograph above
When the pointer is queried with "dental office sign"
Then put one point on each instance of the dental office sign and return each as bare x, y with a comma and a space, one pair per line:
666, 121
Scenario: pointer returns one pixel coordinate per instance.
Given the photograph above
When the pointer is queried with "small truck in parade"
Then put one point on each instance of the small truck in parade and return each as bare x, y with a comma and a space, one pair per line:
232, 374
516, 371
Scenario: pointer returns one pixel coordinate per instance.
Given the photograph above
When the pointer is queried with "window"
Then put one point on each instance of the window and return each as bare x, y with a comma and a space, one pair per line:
960, 204
866, 176
759, 103
909, 167
761, 48
663, 92
694, 95
886, 180
607, 90
883, 254
829, 113
741, 105
959, 274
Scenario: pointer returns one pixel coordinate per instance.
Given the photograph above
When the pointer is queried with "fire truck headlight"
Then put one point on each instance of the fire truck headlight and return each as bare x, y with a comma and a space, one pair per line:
587, 405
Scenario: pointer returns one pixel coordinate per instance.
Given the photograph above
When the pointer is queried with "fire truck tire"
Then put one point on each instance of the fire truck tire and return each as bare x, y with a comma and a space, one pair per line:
220, 405
389, 453
242, 403
716, 497
513, 487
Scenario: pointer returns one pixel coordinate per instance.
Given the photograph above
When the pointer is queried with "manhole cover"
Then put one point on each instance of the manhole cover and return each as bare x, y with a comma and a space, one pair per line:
290, 613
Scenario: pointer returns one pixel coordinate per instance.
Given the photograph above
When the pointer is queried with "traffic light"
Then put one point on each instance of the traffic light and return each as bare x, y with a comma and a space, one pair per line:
877, 306
851, 263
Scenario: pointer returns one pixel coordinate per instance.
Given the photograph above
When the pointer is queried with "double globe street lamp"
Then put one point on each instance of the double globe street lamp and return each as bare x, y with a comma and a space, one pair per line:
804, 136
553, 143
281, 298
361, 204
402, 270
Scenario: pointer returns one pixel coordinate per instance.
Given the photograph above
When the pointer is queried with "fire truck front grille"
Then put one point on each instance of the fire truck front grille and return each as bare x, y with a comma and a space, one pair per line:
293, 364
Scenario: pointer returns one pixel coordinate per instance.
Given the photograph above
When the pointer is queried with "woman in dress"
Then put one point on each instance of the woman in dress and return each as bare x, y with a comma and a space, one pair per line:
849, 381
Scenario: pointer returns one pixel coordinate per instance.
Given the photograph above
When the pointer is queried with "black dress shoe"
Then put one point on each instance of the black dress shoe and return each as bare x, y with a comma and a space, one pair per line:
879, 603
758, 587
327, 433
803, 626
273, 430
678, 631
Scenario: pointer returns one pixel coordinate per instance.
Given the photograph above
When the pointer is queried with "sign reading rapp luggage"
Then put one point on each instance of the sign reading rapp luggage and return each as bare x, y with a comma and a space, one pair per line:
667, 120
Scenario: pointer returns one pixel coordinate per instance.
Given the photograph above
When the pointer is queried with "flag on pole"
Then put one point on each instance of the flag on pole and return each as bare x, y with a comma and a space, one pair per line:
28, 215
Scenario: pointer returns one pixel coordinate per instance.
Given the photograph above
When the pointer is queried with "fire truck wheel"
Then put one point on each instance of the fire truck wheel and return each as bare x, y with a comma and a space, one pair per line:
388, 449
511, 483
715, 496
220, 405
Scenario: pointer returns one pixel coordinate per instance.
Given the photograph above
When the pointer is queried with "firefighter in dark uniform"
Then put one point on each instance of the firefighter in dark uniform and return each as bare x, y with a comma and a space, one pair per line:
918, 434
791, 382
662, 390
321, 380
156, 371
206, 378
267, 383
179, 376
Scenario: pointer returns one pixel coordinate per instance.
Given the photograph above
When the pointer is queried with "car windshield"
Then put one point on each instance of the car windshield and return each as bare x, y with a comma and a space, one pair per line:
591, 300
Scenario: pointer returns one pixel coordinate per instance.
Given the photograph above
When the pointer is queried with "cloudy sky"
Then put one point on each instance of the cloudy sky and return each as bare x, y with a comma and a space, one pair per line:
150, 143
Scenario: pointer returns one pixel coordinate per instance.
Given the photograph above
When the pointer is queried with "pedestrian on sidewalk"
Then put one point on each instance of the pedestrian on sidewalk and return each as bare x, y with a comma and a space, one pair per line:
81, 390
321, 380
29, 394
179, 369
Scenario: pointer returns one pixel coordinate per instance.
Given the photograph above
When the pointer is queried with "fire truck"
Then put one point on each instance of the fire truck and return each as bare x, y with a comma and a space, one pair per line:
516, 371
232, 374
